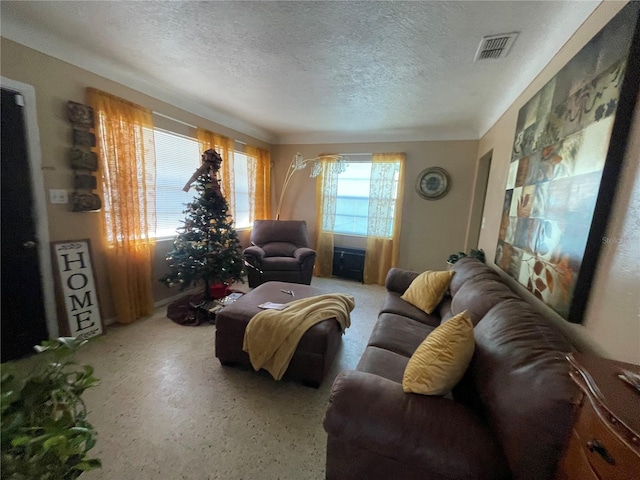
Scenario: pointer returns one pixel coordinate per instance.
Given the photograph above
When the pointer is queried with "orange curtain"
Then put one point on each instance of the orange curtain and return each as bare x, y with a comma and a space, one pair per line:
225, 147
259, 183
125, 144
326, 194
385, 216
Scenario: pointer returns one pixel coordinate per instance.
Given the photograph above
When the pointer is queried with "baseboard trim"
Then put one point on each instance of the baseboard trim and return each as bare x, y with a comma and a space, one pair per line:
166, 301
158, 304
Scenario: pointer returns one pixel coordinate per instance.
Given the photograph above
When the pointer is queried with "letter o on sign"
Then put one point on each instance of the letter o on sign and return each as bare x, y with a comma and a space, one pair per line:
75, 284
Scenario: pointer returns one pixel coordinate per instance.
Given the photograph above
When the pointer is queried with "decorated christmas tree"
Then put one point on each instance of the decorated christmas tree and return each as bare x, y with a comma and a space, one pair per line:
206, 248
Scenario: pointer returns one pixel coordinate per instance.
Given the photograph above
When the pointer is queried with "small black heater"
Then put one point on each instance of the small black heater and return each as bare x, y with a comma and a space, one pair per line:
348, 263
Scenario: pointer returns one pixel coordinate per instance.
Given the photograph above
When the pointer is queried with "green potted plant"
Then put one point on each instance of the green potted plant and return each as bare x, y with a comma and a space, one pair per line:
454, 257
45, 432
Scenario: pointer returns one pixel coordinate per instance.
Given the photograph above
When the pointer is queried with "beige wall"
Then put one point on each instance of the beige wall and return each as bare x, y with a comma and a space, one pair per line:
55, 83
431, 230
612, 322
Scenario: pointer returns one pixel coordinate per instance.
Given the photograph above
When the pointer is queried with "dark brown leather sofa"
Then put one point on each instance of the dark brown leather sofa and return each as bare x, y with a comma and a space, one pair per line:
508, 418
280, 251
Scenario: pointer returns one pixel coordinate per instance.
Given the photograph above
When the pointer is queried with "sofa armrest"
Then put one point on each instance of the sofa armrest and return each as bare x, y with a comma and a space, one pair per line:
254, 251
374, 414
398, 280
303, 253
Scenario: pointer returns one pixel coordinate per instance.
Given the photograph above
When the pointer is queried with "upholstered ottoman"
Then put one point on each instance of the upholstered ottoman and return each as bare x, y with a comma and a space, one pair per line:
316, 350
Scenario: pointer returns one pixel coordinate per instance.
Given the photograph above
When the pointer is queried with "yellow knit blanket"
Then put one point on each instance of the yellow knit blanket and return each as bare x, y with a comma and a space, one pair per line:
272, 336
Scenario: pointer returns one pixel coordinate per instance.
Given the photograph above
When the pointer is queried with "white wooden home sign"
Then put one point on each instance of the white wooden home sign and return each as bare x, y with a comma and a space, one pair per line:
77, 297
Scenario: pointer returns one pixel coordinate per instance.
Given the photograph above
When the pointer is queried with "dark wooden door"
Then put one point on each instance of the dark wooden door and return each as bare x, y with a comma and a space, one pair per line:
23, 315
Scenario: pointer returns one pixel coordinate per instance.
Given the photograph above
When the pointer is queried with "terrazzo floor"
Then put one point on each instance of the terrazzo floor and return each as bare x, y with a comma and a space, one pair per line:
166, 409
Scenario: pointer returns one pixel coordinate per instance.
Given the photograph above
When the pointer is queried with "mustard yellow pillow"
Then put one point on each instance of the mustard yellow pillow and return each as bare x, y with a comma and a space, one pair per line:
441, 359
427, 289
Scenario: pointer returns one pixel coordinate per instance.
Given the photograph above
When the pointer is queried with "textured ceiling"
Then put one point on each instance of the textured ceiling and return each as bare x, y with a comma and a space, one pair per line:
307, 72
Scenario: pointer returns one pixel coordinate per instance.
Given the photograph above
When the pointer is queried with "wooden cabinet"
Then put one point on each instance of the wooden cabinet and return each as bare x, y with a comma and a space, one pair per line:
605, 440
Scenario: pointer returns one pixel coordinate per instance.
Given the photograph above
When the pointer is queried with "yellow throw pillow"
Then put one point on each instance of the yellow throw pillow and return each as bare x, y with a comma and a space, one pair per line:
440, 361
427, 289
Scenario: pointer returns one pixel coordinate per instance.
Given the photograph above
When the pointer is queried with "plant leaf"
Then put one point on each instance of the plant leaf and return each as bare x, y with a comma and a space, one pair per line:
43, 416
53, 441
13, 421
80, 429
88, 464
20, 441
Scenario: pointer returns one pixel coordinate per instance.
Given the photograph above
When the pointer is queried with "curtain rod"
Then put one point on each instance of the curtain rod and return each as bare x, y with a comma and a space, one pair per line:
187, 124
354, 154
174, 119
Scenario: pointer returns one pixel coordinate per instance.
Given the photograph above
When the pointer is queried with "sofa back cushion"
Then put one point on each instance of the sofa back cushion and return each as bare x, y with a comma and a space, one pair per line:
398, 279
470, 269
279, 249
521, 378
289, 231
479, 295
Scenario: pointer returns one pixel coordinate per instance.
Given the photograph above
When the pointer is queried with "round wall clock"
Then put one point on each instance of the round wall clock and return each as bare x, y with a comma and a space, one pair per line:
432, 183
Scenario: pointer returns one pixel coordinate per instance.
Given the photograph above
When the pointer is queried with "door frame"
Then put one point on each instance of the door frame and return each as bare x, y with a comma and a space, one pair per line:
41, 218
475, 222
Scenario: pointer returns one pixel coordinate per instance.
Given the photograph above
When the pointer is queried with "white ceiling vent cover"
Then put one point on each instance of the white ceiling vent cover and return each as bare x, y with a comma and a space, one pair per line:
495, 46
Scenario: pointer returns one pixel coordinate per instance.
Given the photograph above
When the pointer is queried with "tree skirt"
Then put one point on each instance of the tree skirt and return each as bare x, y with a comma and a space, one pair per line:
192, 310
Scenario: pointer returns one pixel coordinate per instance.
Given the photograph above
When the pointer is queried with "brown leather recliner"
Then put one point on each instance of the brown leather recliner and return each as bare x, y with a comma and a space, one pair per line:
280, 251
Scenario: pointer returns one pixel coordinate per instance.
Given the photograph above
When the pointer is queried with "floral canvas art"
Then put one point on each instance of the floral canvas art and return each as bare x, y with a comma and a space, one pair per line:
562, 172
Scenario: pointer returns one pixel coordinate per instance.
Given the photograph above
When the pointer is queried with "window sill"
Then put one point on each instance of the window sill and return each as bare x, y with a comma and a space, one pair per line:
165, 239
356, 235
171, 238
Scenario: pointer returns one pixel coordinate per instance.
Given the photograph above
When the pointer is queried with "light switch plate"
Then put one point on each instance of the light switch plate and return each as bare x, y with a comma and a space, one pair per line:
58, 196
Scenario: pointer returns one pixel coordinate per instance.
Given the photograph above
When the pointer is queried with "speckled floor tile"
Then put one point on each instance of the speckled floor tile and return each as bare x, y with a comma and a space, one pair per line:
167, 409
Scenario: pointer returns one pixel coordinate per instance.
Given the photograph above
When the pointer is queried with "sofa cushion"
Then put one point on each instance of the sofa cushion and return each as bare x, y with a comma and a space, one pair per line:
427, 289
478, 296
398, 280
383, 363
441, 359
280, 263
394, 304
279, 249
398, 334
470, 268
444, 309
522, 379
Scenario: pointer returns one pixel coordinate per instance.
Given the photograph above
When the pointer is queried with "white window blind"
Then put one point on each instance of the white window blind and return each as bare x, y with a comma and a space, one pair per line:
177, 157
242, 216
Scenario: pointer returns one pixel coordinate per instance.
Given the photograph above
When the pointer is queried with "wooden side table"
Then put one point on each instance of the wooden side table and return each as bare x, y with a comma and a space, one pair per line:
605, 440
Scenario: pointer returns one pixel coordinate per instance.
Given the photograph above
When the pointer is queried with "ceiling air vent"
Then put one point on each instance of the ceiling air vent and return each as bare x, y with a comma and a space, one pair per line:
495, 46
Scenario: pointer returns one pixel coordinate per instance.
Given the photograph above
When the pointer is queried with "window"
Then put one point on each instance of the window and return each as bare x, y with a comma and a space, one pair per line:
352, 202
357, 201
177, 157
242, 216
